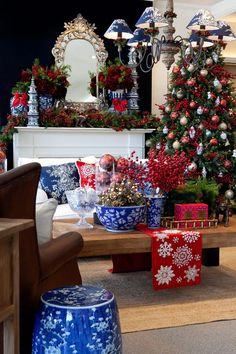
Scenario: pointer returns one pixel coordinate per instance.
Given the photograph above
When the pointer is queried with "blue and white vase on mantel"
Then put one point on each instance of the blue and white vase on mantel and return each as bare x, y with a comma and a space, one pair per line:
45, 101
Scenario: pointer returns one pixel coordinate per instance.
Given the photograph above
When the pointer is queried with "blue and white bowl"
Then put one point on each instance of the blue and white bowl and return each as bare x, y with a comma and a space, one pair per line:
120, 219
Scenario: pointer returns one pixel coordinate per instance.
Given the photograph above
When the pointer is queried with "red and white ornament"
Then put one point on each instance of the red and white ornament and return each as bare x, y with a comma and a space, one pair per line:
192, 167
192, 132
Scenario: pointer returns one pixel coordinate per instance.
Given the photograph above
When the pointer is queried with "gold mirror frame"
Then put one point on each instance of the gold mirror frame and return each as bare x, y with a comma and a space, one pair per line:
79, 28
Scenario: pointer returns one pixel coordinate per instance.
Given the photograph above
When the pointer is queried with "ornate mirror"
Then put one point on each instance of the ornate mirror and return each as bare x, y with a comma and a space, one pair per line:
82, 49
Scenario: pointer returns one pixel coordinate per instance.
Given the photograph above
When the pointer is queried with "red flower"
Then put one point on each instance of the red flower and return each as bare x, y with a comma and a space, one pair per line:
120, 105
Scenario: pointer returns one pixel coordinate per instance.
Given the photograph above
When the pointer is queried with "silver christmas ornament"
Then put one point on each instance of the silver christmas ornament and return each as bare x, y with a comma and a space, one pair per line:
223, 136
165, 130
180, 94
158, 146
208, 133
192, 132
234, 153
229, 194
199, 149
199, 110
217, 101
204, 172
209, 95
148, 143
215, 57
191, 68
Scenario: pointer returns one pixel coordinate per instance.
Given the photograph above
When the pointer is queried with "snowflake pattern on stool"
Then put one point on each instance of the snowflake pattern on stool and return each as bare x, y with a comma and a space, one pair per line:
176, 258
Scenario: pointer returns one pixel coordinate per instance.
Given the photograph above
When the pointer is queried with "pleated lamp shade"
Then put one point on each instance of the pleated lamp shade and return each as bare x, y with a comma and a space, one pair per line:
139, 38
224, 33
118, 30
151, 17
203, 20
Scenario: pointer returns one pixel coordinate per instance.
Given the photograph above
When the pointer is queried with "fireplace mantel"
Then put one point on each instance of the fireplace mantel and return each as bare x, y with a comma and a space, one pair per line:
40, 142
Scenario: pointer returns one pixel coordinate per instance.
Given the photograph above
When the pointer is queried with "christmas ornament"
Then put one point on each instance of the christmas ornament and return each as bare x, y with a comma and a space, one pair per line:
176, 145
204, 172
208, 133
192, 104
201, 126
205, 110
199, 110
171, 135
191, 82
174, 115
234, 153
210, 95
192, 132
209, 61
204, 72
183, 71
192, 167
165, 130
223, 82
223, 136
214, 141
217, 101
158, 146
107, 162
229, 194
227, 142
180, 94
175, 69
222, 126
199, 149
167, 109
183, 120
227, 164
220, 175
223, 102
215, 118
184, 139
191, 68
215, 57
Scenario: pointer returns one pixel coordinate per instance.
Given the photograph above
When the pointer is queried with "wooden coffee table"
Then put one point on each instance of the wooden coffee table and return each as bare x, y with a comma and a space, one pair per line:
99, 242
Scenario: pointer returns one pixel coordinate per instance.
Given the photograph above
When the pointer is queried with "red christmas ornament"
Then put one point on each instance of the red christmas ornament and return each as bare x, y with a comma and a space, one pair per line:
121, 164
176, 69
184, 139
191, 82
192, 104
2, 155
171, 135
215, 118
107, 162
223, 102
223, 82
174, 115
117, 177
227, 164
205, 110
214, 141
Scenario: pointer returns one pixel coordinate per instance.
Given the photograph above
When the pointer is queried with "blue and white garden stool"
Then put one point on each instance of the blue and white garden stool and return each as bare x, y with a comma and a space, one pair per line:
77, 320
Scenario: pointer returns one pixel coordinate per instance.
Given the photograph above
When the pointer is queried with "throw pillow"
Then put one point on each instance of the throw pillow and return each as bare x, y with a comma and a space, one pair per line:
86, 173
56, 179
41, 196
44, 219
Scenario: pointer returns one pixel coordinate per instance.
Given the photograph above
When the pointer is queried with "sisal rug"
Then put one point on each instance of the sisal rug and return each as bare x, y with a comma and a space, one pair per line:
142, 308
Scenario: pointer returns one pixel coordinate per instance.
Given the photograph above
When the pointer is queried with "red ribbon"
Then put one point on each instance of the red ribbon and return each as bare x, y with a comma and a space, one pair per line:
20, 99
119, 105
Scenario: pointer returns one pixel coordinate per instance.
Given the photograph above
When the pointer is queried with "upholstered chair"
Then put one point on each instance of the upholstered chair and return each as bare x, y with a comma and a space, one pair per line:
42, 267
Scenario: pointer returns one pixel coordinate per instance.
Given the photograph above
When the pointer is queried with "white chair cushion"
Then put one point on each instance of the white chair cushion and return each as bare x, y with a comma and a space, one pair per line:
44, 219
41, 196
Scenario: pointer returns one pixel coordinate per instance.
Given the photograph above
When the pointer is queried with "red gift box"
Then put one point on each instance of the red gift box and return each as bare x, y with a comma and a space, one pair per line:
191, 211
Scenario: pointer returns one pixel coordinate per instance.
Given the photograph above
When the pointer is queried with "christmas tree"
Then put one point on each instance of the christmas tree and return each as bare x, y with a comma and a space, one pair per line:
199, 117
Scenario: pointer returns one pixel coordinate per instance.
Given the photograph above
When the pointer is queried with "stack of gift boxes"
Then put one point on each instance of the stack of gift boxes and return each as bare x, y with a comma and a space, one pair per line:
194, 211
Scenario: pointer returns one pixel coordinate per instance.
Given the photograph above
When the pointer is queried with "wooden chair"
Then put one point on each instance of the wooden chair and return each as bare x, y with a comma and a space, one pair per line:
51, 265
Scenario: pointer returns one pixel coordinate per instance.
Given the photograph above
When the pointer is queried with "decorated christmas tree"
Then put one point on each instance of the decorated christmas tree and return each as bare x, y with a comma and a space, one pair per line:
199, 117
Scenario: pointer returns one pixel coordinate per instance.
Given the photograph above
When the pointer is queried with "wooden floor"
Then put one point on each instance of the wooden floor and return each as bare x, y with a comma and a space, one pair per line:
99, 242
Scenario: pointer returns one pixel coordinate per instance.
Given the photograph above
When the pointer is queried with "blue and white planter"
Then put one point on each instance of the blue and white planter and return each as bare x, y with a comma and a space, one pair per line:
120, 219
45, 102
77, 319
154, 211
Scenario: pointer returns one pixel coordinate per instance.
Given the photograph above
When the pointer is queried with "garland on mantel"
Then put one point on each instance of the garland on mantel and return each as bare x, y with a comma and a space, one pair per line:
57, 117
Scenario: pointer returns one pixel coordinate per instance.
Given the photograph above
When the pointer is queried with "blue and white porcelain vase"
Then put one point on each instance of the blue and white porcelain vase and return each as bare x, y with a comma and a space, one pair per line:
18, 106
45, 102
155, 207
119, 94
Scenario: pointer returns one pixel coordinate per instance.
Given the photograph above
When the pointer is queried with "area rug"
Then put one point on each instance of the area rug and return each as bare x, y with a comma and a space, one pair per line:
142, 308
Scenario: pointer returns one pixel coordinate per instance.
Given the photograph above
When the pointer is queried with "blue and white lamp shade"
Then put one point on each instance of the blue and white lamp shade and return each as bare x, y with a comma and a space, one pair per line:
203, 20
139, 38
118, 30
197, 41
151, 17
223, 33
